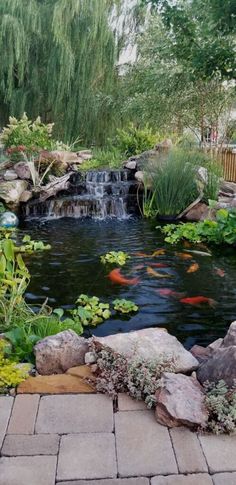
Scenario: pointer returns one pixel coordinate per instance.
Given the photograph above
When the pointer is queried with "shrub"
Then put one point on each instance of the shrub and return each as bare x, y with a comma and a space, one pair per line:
10, 374
27, 136
221, 231
137, 377
221, 405
133, 141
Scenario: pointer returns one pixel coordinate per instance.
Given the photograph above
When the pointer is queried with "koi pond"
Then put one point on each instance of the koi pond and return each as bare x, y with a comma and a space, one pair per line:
73, 267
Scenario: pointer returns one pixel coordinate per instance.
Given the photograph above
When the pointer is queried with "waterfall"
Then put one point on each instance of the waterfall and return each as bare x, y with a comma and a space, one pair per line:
101, 194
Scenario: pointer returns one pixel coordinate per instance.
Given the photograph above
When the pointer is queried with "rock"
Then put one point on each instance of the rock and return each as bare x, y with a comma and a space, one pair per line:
199, 212
85, 154
22, 170
180, 401
130, 164
215, 345
139, 176
90, 358
57, 353
203, 175
200, 353
55, 384
228, 187
10, 175
26, 195
11, 191
230, 338
150, 344
164, 145
221, 365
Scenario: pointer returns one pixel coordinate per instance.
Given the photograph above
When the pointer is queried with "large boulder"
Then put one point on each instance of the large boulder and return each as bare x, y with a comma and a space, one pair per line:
230, 338
180, 401
11, 191
198, 213
10, 175
222, 365
150, 344
57, 353
66, 158
23, 171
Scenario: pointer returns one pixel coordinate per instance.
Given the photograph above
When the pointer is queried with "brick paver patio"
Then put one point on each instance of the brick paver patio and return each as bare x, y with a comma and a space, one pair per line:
86, 440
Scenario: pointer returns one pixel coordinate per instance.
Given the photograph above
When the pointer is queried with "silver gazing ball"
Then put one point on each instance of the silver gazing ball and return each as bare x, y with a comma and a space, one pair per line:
8, 219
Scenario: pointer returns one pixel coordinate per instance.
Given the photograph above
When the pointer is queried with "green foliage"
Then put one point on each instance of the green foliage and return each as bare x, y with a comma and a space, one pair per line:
109, 157
221, 405
91, 311
27, 136
32, 246
221, 231
173, 183
115, 257
132, 140
137, 377
124, 306
10, 374
212, 187
2, 208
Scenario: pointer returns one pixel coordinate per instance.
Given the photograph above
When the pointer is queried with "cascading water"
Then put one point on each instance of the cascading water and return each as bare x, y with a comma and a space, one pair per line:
100, 194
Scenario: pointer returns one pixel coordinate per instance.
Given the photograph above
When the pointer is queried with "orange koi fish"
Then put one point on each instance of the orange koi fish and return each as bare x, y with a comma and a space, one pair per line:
152, 272
143, 255
168, 292
193, 268
116, 277
158, 265
186, 244
220, 272
198, 300
184, 255
159, 252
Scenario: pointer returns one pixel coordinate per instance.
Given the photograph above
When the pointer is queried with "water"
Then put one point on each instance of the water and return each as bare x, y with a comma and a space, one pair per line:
101, 194
73, 267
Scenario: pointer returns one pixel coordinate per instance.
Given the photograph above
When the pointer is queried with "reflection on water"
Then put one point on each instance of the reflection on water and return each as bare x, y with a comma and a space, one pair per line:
73, 267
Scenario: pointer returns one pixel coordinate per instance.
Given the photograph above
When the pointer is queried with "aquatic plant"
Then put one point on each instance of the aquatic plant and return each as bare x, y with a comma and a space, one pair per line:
137, 377
90, 310
221, 405
124, 306
115, 257
10, 374
220, 231
32, 246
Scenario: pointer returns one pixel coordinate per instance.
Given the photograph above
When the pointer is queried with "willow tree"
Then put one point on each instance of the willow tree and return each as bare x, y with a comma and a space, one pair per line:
59, 60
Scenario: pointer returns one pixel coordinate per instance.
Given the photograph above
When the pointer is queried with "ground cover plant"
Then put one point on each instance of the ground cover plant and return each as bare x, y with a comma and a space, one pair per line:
221, 405
10, 374
219, 231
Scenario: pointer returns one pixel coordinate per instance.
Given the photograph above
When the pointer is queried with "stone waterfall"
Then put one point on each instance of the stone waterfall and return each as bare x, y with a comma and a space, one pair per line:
97, 194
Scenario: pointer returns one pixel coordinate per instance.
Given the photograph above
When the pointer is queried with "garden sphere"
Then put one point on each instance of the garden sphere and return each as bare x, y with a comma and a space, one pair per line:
9, 220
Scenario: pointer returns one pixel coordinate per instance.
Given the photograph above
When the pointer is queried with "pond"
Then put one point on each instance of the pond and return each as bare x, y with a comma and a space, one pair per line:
73, 267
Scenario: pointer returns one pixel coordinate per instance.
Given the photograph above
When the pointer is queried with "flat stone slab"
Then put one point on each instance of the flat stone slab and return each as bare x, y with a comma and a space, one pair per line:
198, 479
126, 403
75, 414
188, 451
32, 470
224, 479
23, 415
6, 404
87, 456
220, 452
114, 481
143, 447
55, 384
29, 445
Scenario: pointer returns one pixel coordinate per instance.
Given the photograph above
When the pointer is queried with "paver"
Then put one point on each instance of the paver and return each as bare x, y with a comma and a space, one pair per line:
220, 452
112, 481
188, 451
24, 414
23, 445
126, 403
28, 470
224, 479
87, 456
6, 404
143, 446
196, 479
75, 414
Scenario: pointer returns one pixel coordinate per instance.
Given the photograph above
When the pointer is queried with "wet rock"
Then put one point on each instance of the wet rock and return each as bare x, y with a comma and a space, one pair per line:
199, 212
11, 191
230, 338
180, 401
221, 365
150, 344
10, 175
22, 170
57, 353
26, 195
55, 384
